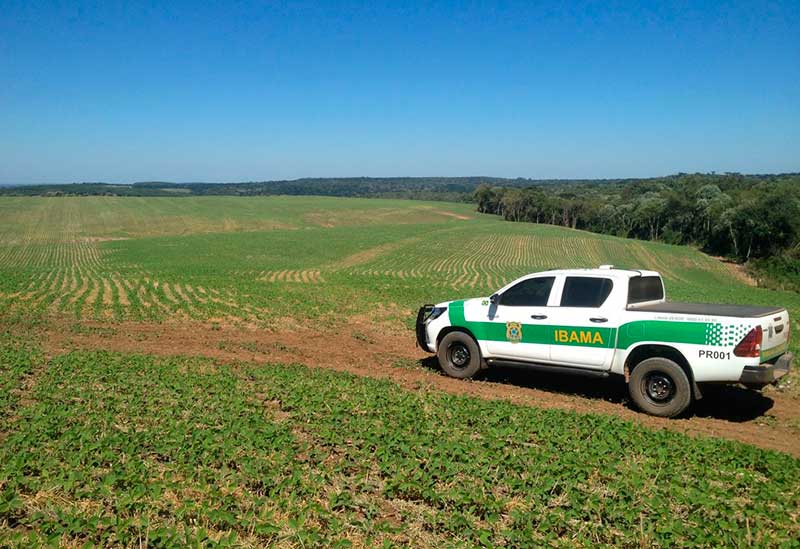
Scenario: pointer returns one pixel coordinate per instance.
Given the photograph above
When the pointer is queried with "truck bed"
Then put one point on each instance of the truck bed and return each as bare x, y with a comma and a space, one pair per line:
709, 309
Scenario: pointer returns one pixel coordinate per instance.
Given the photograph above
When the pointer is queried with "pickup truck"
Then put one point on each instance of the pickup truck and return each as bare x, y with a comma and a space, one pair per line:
605, 321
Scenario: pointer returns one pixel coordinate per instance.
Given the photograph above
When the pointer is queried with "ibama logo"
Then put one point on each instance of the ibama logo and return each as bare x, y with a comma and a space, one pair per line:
579, 337
514, 332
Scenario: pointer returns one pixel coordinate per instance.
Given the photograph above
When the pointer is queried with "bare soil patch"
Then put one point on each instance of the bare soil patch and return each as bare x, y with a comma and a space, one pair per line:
738, 271
367, 255
103, 238
452, 214
384, 350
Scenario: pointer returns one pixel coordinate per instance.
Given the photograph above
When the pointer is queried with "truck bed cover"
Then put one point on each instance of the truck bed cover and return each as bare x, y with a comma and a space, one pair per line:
710, 309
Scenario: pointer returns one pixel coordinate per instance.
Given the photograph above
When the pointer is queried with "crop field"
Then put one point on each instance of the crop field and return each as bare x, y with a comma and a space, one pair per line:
165, 381
130, 450
257, 259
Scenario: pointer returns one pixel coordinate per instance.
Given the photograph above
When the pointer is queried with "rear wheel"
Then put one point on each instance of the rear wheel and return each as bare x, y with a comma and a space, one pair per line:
660, 387
459, 355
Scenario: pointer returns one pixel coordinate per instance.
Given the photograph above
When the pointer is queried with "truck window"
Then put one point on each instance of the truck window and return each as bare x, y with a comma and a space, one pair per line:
533, 292
584, 291
645, 288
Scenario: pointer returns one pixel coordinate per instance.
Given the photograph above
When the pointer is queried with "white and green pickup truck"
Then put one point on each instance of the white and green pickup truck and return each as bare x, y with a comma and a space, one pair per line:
608, 321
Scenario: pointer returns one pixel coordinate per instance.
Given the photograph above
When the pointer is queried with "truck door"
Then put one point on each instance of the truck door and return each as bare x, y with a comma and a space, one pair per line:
583, 324
522, 312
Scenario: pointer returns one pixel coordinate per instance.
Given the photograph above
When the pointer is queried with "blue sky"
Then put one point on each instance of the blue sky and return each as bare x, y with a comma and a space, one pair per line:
239, 90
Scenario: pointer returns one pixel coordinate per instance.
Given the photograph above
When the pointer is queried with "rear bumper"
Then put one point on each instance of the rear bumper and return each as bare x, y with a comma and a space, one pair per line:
422, 334
767, 373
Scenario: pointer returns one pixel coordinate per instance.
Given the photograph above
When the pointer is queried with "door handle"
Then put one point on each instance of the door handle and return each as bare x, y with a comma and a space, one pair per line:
598, 319
538, 317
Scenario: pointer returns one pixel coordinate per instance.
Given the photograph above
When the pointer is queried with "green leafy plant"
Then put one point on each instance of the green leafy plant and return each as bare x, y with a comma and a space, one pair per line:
124, 449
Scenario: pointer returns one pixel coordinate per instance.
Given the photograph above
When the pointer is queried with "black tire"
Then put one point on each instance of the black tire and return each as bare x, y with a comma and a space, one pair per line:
660, 387
459, 355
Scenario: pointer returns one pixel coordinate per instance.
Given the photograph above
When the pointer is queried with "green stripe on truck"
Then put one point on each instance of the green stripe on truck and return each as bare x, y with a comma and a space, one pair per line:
587, 336
662, 331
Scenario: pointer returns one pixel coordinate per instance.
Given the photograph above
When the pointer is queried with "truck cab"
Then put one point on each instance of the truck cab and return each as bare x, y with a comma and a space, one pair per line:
608, 321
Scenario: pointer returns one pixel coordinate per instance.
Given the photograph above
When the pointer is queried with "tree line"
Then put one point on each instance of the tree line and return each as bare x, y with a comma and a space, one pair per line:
458, 189
741, 217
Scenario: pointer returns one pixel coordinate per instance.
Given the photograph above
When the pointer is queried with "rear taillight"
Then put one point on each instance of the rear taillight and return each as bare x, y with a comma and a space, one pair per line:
788, 330
750, 346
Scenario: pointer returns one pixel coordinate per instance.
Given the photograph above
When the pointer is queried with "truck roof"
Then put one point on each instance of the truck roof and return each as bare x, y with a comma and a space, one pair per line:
603, 270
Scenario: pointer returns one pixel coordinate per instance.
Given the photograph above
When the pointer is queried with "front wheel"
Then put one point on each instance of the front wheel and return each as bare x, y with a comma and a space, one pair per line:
459, 355
660, 387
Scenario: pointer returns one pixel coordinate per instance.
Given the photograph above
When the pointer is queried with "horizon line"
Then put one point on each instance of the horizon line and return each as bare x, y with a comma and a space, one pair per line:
351, 177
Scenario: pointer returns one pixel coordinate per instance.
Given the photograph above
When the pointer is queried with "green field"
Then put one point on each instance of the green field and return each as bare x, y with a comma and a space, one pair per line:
130, 449
257, 259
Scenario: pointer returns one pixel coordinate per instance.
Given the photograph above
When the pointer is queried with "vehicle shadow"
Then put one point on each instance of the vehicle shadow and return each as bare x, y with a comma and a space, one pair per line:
726, 402
732, 403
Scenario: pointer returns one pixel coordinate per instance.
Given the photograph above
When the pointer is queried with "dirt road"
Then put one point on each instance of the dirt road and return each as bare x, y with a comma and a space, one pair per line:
379, 350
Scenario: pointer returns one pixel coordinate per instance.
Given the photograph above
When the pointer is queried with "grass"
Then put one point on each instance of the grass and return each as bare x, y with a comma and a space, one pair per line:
126, 449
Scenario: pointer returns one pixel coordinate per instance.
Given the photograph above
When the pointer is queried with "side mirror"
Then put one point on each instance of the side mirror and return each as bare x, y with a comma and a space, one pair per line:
495, 299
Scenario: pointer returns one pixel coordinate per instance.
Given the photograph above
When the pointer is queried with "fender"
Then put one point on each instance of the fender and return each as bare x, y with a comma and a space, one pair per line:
648, 349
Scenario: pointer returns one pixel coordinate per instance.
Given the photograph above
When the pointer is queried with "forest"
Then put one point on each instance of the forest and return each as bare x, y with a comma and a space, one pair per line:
748, 219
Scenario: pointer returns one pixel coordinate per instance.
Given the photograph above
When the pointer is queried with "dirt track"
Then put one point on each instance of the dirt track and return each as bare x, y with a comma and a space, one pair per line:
365, 348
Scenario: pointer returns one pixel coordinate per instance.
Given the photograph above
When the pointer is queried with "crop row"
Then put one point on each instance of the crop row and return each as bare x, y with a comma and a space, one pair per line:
305, 276
56, 254
478, 262
489, 261
90, 292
